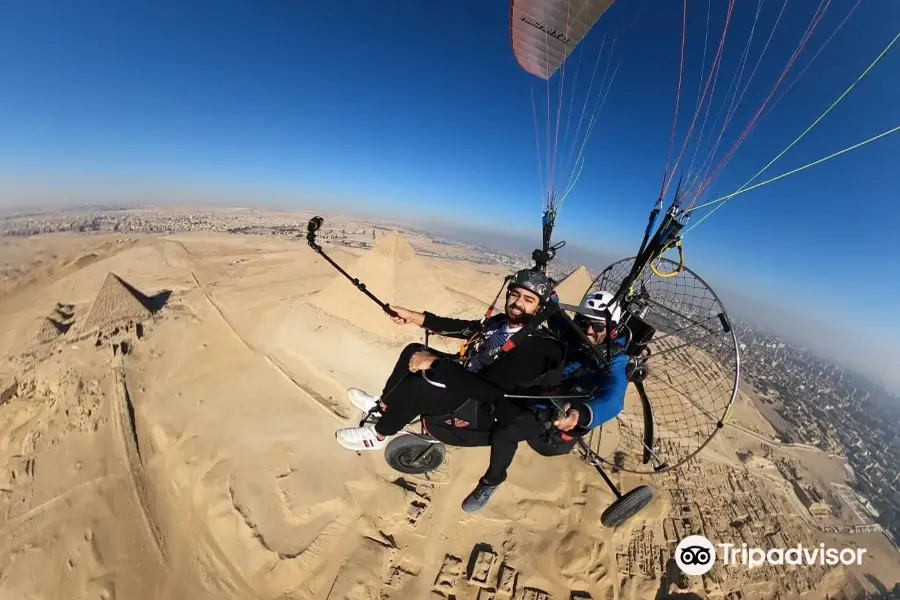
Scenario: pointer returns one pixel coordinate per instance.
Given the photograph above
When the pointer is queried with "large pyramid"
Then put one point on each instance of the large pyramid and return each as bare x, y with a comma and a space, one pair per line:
396, 275
574, 286
116, 303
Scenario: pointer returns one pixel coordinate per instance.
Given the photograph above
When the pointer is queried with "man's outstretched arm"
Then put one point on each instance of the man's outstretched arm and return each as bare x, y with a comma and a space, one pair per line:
447, 327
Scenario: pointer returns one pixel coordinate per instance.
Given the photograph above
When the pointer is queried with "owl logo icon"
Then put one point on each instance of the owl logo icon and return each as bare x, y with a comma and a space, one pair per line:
695, 555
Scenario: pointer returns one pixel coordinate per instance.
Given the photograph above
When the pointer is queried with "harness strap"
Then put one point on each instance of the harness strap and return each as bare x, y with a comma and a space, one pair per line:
529, 329
467, 349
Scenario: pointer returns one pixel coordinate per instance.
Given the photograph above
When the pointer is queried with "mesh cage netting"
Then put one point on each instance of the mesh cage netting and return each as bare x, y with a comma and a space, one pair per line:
693, 371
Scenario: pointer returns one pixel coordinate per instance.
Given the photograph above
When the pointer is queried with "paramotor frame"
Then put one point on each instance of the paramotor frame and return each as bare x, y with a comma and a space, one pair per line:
690, 365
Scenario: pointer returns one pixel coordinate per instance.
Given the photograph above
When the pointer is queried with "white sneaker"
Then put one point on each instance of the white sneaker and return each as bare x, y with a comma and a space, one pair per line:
360, 438
361, 400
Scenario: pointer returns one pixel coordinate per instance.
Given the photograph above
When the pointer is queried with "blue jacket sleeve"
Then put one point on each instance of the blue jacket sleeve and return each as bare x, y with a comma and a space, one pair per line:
609, 399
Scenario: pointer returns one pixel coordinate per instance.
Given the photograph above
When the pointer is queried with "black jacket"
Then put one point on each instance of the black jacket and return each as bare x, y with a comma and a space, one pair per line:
533, 357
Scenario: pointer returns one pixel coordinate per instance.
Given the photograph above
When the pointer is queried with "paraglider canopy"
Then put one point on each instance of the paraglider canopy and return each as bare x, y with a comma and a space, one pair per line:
544, 32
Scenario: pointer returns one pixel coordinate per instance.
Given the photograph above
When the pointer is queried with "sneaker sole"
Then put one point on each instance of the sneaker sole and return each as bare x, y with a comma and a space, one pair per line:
358, 449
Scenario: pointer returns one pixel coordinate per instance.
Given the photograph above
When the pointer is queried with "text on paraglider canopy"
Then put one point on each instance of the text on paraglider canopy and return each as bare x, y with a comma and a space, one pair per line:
551, 31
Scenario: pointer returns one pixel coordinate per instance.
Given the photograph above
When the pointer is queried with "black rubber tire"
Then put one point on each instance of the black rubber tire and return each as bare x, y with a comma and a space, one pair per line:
403, 450
627, 506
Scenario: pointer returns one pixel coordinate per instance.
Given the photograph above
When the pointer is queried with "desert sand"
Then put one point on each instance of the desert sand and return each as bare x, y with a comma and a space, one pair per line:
167, 425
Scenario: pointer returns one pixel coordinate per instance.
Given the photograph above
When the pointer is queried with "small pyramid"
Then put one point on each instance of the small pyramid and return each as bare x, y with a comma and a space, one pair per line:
574, 286
395, 274
115, 303
50, 330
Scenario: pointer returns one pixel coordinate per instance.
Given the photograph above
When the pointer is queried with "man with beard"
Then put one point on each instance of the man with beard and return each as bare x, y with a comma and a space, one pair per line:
491, 372
519, 420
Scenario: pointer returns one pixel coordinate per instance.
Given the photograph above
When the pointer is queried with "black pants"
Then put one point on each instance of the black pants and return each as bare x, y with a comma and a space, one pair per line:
408, 395
457, 436
514, 423
502, 437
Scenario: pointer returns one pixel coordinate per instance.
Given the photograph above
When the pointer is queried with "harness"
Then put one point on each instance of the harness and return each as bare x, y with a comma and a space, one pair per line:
470, 347
476, 412
552, 441
531, 329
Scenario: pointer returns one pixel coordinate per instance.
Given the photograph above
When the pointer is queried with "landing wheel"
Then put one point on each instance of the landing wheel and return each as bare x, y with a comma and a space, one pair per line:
626, 506
412, 455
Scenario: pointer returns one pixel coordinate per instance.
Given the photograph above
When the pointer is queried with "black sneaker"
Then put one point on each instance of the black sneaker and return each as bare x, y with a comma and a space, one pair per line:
479, 497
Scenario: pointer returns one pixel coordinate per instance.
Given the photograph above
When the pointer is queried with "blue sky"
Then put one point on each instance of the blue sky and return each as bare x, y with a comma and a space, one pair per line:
422, 106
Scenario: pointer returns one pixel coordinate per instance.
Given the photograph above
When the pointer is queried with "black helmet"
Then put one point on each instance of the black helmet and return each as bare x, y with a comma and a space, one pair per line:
534, 281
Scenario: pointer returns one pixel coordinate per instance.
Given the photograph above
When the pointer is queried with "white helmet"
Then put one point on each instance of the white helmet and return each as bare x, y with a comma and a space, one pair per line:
600, 301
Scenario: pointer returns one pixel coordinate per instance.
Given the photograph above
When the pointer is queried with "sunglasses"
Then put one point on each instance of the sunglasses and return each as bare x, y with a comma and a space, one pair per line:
585, 323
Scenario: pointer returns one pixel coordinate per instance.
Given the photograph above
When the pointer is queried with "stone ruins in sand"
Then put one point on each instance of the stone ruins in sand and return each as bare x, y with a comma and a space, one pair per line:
396, 275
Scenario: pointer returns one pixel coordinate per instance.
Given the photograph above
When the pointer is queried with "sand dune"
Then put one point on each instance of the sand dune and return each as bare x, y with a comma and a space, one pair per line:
188, 451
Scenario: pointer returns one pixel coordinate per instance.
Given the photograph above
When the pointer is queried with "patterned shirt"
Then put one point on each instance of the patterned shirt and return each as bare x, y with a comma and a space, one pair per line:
493, 341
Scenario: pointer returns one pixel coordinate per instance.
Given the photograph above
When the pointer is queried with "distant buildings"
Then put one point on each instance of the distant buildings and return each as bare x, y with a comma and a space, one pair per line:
840, 412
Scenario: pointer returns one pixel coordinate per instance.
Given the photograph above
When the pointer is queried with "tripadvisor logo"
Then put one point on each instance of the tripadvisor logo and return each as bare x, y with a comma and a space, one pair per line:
696, 555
